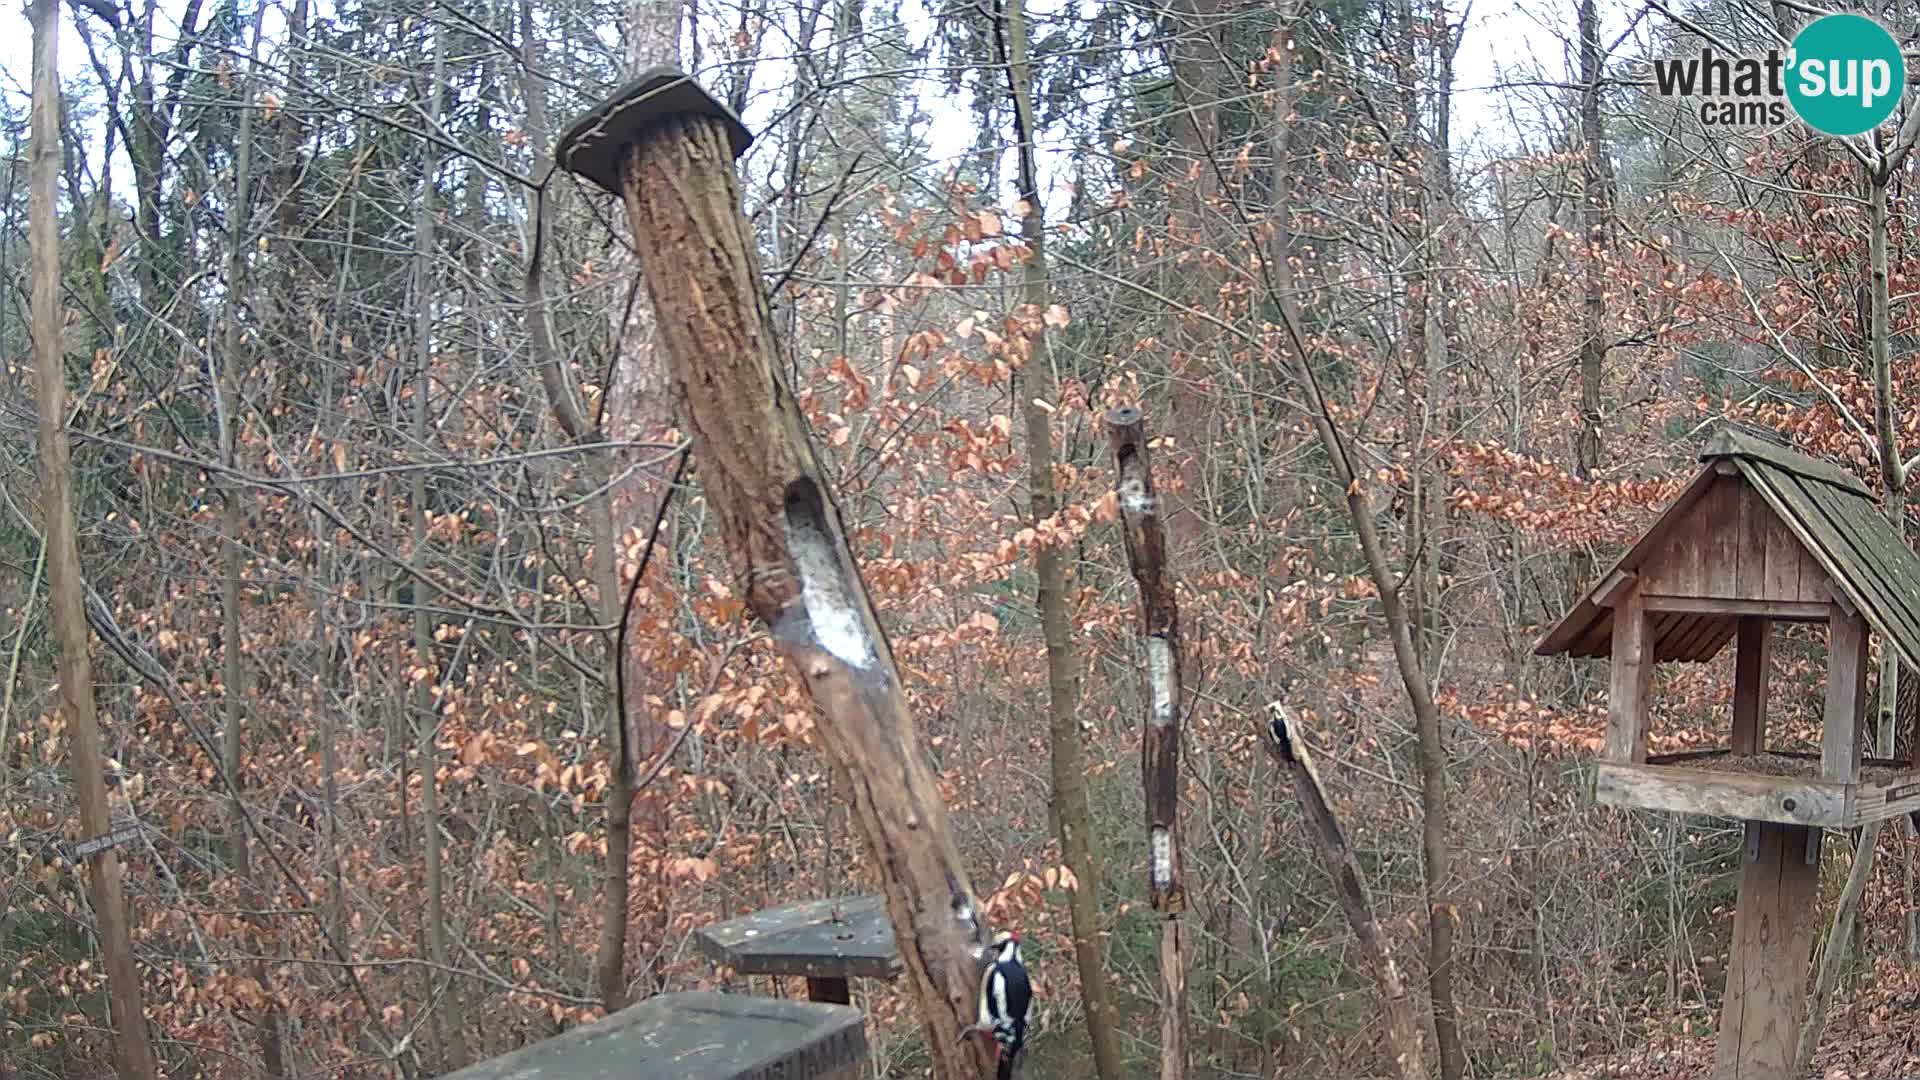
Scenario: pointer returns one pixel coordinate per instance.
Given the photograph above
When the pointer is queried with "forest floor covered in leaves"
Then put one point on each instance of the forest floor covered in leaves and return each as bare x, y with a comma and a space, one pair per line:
1875, 1037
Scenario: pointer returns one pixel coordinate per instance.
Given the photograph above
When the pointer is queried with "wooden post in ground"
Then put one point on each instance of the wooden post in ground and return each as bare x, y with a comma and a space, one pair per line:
1160, 738
1765, 1000
667, 148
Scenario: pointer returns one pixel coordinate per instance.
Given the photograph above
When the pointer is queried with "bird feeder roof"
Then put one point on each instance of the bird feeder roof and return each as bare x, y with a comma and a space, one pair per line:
596, 145
1827, 510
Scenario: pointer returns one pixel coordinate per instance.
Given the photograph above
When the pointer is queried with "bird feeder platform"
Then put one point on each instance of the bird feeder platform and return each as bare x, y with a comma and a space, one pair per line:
1762, 535
1779, 786
827, 941
696, 1036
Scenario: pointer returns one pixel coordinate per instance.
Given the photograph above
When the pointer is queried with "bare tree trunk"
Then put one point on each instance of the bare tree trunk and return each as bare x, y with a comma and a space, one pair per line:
1160, 737
64, 583
640, 408
789, 551
1033, 386
1197, 62
1350, 889
563, 398
1596, 184
1838, 949
228, 397
1893, 479
426, 716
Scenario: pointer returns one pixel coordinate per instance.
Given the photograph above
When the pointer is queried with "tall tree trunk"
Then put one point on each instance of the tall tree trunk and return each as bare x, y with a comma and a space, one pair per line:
134, 1054
1838, 946
640, 408
227, 391
649, 399
426, 715
1034, 384
788, 548
1197, 62
1595, 189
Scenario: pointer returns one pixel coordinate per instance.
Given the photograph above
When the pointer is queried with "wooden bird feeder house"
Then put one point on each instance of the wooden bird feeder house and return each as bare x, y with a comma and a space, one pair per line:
1762, 535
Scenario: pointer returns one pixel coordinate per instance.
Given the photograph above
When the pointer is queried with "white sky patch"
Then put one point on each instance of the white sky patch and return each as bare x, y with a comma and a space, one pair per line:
1527, 42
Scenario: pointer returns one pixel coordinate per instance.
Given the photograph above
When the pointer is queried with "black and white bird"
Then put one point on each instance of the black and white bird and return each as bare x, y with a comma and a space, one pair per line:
1005, 997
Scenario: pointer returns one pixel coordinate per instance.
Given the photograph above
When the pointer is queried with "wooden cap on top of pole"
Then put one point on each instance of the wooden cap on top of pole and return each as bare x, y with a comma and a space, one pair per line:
595, 146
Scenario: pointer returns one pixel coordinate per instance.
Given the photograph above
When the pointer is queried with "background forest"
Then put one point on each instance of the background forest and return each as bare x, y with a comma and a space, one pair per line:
362, 504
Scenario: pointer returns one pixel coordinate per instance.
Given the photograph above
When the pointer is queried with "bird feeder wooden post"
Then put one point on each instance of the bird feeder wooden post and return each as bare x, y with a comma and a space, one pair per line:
1763, 535
666, 147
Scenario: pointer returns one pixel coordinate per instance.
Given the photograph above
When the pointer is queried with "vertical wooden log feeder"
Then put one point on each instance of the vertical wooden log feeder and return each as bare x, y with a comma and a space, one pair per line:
1160, 738
667, 148
1402, 1028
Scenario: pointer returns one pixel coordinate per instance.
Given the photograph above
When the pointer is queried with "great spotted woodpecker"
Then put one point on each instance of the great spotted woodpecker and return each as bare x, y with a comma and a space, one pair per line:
1005, 997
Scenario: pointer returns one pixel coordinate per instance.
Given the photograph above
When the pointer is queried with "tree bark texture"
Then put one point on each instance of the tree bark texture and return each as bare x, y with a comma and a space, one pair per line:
1596, 183
133, 1053
563, 400
425, 712
233, 674
789, 551
1401, 1027
1160, 738
1034, 383
1838, 947
1197, 60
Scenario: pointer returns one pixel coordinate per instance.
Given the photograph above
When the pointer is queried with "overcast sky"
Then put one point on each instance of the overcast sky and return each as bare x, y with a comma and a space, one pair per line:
1505, 41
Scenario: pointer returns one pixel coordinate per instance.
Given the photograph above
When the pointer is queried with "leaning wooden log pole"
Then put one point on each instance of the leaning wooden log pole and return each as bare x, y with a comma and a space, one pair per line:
667, 148
1401, 1028
1160, 739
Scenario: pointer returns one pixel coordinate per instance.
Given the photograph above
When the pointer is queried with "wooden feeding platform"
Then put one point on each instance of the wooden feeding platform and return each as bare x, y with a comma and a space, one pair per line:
827, 941
1762, 535
1774, 786
696, 1036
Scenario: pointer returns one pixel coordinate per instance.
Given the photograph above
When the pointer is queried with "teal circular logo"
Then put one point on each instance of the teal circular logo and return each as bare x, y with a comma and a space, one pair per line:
1846, 74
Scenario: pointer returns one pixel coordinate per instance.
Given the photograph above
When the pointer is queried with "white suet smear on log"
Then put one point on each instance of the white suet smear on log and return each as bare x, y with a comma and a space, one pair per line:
834, 622
1160, 678
1133, 494
1160, 842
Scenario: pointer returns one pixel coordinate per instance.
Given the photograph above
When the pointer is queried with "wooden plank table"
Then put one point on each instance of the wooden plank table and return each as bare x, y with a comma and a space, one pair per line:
827, 941
696, 1036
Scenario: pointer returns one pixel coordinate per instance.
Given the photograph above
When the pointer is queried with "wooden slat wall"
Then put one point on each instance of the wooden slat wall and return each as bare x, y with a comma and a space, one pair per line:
1731, 545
